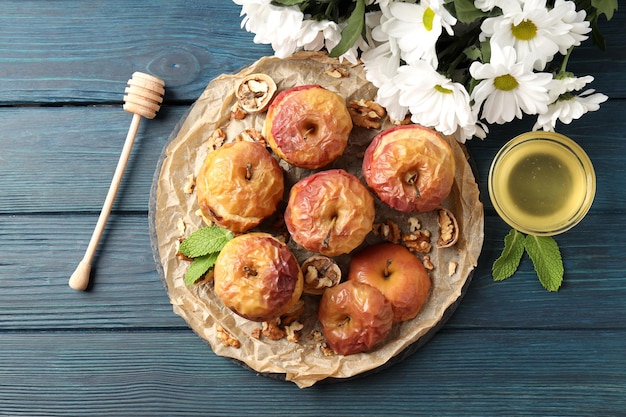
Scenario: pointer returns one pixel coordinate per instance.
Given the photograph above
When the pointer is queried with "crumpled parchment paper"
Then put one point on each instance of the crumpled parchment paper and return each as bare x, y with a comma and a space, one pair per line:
303, 362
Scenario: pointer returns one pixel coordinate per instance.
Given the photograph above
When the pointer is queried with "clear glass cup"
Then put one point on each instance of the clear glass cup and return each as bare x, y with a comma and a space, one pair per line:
542, 183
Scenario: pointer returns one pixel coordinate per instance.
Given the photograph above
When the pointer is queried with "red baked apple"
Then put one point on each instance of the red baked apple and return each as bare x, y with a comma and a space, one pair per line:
239, 185
411, 168
355, 317
257, 277
397, 273
329, 212
308, 126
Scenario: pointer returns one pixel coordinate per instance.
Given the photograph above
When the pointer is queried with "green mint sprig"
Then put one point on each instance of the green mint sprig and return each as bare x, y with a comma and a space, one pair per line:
543, 251
203, 246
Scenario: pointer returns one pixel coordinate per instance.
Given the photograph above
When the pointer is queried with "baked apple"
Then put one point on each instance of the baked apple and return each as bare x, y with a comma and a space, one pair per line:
329, 212
410, 167
397, 273
239, 185
257, 277
355, 317
308, 126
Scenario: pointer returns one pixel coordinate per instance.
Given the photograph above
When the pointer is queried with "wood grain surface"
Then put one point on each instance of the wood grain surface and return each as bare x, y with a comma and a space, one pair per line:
511, 348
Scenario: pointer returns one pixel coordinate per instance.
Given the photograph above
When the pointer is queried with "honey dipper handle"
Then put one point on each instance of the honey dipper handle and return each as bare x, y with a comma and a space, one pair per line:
144, 96
80, 278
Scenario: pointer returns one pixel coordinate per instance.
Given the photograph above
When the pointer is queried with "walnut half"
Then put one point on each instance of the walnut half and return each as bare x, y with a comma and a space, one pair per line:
448, 228
320, 272
366, 113
255, 92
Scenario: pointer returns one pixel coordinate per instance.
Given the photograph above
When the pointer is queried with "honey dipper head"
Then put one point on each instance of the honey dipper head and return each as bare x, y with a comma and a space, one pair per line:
144, 95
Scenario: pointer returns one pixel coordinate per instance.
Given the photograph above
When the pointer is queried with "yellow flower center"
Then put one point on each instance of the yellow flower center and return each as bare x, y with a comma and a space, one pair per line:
525, 31
443, 90
428, 18
505, 82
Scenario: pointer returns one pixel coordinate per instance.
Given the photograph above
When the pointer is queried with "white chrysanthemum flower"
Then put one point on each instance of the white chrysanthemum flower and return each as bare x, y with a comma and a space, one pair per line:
535, 32
508, 87
569, 107
416, 27
433, 99
565, 11
488, 5
278, 26
317, 34
381, 66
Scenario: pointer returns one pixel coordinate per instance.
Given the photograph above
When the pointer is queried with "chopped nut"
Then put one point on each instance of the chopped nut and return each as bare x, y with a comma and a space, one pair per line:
190, 184
226, 338
256, 333
388, 230
448, 229
366, 113
255, 92
452, 268
293, 331
337, 72
418, 241
217, 139
251, 135
427, 263
321, 344
272, 330
414, 224
237, 113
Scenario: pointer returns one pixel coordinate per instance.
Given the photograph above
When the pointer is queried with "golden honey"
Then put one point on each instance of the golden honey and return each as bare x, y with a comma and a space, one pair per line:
541, 183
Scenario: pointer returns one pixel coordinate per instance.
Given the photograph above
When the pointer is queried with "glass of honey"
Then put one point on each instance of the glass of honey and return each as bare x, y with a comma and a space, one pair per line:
542, 183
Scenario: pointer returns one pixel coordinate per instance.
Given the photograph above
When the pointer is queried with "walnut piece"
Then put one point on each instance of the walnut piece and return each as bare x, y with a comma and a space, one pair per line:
414, 224
217, 139
251, 135
452, 268
272, 330
418, 241
428, 264
388, 230
320, 273
448, 229
237, 113
366, 113
337, 72
293, 331
226, 338
255, 92
190, 184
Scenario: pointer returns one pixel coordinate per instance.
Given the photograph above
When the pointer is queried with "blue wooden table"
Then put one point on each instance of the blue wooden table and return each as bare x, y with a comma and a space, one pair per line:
511, 348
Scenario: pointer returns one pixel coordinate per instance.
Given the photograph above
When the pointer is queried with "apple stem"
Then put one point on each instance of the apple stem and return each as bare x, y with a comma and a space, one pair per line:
249, 271
386, 272
248, 170
412, 180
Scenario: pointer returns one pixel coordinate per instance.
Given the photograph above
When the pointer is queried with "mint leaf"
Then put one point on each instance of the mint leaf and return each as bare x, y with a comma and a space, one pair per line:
508, 262
352, 31
205, 241
199, 267
546, 257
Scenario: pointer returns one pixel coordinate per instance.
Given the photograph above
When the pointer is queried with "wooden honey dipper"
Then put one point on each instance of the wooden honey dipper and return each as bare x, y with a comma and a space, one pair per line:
143, 98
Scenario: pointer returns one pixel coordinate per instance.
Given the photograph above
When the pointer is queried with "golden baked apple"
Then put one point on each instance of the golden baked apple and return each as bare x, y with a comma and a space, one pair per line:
355, 317
308, 126
257, 277
239, 185
329, 212
397, 273
411, 168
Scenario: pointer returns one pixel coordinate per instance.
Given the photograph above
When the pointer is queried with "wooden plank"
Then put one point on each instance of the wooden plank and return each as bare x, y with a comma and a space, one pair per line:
574, 373
39, 252
82, 51
43, 142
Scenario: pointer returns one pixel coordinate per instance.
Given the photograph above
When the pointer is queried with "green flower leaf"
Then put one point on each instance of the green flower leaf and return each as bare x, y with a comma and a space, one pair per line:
205, 241
546, 257
352, 31
199, 267
466, 12
288, 2
605, 7
508, 262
